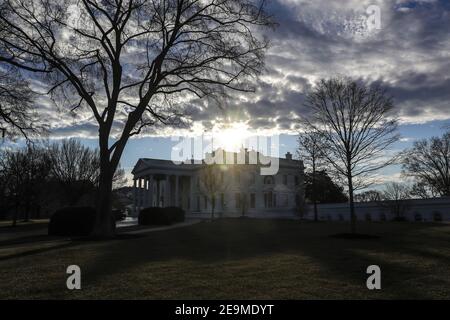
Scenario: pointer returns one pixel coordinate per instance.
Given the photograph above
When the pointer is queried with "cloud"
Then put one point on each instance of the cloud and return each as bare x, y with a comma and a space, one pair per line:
409, 55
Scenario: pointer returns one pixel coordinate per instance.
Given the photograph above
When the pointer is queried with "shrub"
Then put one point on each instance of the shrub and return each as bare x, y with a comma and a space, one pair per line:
437, 217
176, 214
160, 216
72, 221
119, 215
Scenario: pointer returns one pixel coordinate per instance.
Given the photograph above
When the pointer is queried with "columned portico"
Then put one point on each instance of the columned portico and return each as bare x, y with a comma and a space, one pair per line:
163, 183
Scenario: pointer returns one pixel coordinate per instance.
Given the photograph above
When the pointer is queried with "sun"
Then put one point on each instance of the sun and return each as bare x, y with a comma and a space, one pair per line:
232, 137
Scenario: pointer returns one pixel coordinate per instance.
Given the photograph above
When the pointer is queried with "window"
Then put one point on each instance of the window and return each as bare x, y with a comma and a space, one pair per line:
198, 203
222, 200
285, 179
268, 180
268, 197
368, 217
437, 216
285, 200
297, 200
274, 199
297, 180
237, 177
206, 202
252, 178
238, 200
252, 201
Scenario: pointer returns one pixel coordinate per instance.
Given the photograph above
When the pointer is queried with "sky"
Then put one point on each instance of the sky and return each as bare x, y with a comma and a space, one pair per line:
408, 53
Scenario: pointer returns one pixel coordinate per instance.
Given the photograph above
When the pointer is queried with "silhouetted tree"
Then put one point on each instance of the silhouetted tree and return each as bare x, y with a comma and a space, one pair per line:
396, 198
428, 161
76, 168
369, 196
323, 189
125, 60
25, 170
211, 183
354, 121
311, 152
17, 113
423, 191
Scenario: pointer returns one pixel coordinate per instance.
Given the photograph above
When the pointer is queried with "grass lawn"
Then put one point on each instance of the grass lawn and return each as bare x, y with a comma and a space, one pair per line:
237, 258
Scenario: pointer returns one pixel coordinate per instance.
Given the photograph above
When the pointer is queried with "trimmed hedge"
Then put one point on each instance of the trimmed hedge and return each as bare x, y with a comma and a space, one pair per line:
160, 216
119, 215
72, 221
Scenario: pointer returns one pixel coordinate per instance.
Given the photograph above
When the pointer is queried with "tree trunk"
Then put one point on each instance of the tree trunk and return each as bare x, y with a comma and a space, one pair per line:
105, 224
213, 205
352, 205
16, 213
316, 216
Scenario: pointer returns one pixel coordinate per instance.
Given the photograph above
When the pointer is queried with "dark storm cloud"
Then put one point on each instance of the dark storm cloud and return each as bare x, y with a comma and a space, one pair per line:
409, 56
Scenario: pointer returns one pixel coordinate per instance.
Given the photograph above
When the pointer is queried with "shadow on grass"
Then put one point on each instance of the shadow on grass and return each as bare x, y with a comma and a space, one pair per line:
38, 251
233, 240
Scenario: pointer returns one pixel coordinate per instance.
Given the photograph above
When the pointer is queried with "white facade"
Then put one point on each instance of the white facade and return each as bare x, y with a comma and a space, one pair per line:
426, 210
242, 189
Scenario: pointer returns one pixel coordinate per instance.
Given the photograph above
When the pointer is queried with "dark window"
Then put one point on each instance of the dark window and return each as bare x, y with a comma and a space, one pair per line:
222, 200
274, 200
297, 180
206, 202
285, 179
198, 203
238, 177
437, 216
268, 180
268, 197
252, 178
252, 201
238, 200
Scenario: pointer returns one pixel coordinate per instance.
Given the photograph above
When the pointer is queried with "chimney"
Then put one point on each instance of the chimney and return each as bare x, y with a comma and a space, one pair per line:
288, 156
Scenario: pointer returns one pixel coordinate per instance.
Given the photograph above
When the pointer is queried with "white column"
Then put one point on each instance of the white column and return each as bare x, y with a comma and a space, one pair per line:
147, 191
134, 196
158, 193
151, 189
140, 194
144, 192
167, 192
177, 200
192, 201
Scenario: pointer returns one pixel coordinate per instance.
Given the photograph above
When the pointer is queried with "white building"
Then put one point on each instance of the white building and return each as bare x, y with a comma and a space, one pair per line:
420, 210
242, 189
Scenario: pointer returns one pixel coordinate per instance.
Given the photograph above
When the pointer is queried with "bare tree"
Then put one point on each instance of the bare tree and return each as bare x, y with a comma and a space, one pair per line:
25, 170
128, 61
211, 184
423, 191
311, 152
354, 122
76, 168
428, 161
17, 113
369, 196
395, 198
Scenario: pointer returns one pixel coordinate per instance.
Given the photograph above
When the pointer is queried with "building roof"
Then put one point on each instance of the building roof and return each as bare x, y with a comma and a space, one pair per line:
237, 158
